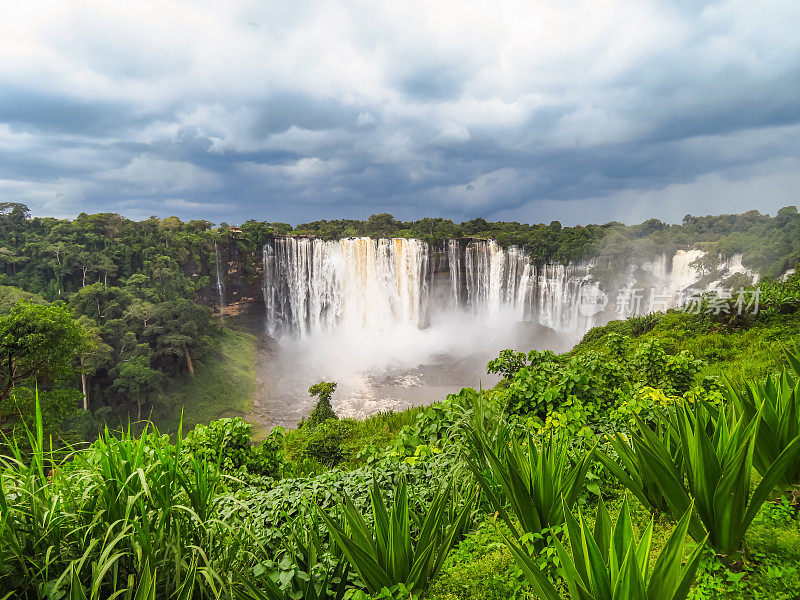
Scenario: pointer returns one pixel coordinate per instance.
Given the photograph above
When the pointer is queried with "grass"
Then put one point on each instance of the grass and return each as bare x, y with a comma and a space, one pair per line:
481, 566
125, 515
738, 354
223, 386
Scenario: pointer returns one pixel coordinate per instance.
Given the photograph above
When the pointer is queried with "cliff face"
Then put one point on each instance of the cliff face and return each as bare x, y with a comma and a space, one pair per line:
236, 281
305, 285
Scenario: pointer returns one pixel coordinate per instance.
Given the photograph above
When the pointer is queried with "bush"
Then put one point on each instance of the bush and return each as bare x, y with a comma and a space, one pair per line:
322, 410
269, 512
585, 387
226, 442
403, 548
325, 442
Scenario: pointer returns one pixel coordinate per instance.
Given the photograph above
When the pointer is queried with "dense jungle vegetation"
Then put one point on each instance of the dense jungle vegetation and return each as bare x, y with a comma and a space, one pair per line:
658, 459
140, 294
770, 245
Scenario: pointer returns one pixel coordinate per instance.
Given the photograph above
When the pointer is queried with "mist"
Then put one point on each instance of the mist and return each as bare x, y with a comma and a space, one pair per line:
394, 367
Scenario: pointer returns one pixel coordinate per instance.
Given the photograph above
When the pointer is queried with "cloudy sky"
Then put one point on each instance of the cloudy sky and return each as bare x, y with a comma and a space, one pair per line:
582, 111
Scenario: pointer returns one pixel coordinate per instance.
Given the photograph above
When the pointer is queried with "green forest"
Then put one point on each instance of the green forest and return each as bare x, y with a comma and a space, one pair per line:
659, 458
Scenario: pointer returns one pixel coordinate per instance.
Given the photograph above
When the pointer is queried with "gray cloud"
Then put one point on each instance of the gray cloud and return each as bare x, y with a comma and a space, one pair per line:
597, 110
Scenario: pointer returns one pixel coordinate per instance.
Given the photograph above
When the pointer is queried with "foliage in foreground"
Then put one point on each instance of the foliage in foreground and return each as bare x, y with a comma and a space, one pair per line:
715, 475
535, 482
322, 410
122, 516
388, 554
776, 403
631, 469
610, 564
226, 443
255, 537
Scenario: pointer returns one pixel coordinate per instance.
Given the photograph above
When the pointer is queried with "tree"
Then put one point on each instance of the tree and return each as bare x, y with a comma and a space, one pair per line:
323, 409
37, 341
12, 214
137, 380
11, 259
382, 225
101, 303
177, 327
475, 225
94, 354
10, 296
106, 266
86, 262
59, 263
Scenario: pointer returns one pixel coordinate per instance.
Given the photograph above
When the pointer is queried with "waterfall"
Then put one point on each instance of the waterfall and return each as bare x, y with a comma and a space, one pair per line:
496, 277
269, 281
559, 293
683, 273
220, 283
454, 267
314, 286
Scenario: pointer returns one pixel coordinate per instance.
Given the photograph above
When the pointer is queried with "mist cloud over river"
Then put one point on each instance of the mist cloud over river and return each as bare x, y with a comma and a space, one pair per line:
396, 367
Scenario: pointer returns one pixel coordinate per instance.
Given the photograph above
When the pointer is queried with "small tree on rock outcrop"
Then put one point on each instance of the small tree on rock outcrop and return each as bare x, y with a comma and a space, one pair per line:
323, 410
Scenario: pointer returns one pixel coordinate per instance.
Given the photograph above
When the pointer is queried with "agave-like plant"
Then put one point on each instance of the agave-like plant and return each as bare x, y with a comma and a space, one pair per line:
777, 401
534, 482
389, 553
717, 465
610, 564
632, 451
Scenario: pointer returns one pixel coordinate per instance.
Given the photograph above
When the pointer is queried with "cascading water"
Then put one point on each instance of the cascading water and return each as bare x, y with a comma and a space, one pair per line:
496, 277
454, 267
559, 291
400, 322
314, 286
220, 282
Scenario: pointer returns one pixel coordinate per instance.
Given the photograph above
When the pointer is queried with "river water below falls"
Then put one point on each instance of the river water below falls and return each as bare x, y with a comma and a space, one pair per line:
392, 371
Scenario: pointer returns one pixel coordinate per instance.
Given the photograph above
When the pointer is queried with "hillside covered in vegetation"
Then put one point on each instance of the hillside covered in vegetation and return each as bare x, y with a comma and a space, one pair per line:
129, 305
658, 459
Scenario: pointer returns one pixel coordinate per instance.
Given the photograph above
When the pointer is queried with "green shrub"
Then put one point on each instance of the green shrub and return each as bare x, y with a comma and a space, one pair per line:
401, 548
641, 324
630, 466
325, 442
675, 373
322, 411
713, 474
507, 363
777, 402
534, 481
270, 512
227, 443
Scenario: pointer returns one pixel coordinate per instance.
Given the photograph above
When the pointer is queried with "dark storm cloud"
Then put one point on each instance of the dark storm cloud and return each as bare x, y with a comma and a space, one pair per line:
283, 110
599, 110
53, 113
